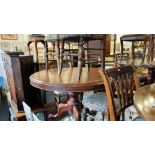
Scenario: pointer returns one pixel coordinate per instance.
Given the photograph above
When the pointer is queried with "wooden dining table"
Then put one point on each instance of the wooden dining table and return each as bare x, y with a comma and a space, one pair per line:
68, 81
144, 100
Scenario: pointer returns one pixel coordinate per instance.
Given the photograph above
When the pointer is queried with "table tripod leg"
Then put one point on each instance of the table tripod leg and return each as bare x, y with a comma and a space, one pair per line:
72, 106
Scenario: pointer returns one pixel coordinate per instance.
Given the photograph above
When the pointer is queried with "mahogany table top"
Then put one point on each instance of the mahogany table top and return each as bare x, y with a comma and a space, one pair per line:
67, 81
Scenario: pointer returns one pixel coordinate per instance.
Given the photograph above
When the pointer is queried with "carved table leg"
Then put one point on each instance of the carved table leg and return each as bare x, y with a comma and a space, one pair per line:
73, 106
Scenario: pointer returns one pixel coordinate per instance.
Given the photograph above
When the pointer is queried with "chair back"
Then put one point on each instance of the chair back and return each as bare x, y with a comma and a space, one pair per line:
28, 112
120, 84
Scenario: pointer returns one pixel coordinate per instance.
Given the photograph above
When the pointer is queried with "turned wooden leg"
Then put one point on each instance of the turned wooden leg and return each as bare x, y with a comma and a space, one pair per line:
36, 50
28, 46
53, 45
58, 54
80, 58
61, 57
133, 50
121, 49
46, 54
144, 51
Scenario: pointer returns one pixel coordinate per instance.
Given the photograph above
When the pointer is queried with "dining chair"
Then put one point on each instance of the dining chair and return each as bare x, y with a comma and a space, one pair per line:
116, 102
135, 38
120, 85
35, 38
83, 50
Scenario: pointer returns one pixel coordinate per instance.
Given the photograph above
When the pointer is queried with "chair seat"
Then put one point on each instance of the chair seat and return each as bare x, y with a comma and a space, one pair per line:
73, 37
98, 102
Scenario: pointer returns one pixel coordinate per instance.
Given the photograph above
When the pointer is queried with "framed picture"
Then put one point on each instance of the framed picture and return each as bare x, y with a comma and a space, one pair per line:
9, 36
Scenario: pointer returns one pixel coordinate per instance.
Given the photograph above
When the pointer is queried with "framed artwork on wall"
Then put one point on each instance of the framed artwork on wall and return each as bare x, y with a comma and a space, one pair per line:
9, 36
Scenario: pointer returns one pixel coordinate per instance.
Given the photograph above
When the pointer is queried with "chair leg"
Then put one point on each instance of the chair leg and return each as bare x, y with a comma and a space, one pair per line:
58, 55
36, 50
80, 58
61, 56
28, 46
46, 54
144, 51
121, 49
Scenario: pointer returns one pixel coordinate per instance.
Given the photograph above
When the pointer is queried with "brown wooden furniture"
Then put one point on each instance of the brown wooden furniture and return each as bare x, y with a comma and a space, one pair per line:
149, 77
144, 100
67, 82
18, 70
82, 40
133, 38
35, 39
151, 48
120, 84
151, 72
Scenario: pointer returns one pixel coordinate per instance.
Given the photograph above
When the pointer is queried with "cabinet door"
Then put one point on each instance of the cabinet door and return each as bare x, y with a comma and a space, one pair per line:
10, 78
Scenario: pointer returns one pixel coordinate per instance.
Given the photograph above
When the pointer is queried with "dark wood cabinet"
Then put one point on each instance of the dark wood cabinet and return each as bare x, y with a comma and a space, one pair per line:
18, 69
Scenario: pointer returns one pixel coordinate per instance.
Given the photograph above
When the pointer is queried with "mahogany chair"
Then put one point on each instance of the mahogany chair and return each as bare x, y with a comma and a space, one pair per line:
116, 102
35, 38
134, 38
82, 41
120, 85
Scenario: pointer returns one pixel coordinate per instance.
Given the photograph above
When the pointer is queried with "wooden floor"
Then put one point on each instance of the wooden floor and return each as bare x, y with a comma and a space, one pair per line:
4, 111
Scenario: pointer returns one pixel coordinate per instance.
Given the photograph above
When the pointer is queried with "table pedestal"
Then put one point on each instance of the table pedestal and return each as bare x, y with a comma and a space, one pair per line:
73, 106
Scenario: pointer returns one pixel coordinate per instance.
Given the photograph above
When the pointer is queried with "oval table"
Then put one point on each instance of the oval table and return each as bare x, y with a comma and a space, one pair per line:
68, 82
144, 100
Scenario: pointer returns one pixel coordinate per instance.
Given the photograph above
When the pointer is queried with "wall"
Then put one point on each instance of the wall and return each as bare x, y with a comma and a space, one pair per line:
12, 45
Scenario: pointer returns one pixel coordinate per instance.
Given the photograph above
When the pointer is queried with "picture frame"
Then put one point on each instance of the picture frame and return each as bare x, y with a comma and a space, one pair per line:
9, 36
